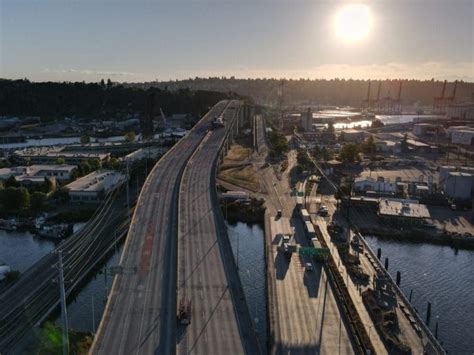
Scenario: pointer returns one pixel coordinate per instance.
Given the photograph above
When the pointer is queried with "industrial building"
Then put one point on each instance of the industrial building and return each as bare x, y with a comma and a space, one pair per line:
36, 173
367, 183
463, 136
461, 111
403, 211
353, 135
421, 129
94, 187
47, 155
458, 185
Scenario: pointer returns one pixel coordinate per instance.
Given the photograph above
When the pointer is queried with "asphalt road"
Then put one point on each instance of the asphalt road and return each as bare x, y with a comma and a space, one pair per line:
140, 314
220, 323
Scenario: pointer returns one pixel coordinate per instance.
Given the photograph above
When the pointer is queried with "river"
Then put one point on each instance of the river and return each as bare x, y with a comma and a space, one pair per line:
442, 276
248, 240
436, 274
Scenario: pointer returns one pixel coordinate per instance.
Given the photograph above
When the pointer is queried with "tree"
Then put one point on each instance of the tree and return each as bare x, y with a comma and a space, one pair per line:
303, 160
377, 123
85, 139
61, 194
59, 161
15, 199
404, 144
368, 146
11, 182
38, 201
130, 136
349, 153
112, 163
326, 154
95, 164
48, 185
84, 168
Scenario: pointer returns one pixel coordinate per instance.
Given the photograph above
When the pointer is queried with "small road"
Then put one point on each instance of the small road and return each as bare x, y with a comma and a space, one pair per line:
140, 314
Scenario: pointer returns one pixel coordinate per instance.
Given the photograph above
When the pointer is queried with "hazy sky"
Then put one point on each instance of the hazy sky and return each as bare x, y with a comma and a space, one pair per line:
146, 40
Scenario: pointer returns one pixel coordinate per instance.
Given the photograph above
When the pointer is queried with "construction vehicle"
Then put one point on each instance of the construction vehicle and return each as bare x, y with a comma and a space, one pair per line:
184, 311
287, 247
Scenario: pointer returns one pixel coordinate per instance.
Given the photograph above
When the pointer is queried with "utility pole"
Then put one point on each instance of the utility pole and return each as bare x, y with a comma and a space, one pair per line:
62, 292
128, 192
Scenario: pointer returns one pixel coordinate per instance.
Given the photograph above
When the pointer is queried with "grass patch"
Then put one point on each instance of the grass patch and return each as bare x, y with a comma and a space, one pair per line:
242, 176
238, 153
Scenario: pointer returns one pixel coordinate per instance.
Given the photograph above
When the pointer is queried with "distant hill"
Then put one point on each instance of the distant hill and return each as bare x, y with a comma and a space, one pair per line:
51, 100
331, 92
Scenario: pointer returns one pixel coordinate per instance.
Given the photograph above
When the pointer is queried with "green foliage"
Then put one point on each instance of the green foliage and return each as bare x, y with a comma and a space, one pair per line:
11, 182
278, 143
61, 195
60, 161
349, 153
85, 139
49, 185
377, 123
303, 160
38, 201
112, 163
95, 164
52, 100
130, 137
12, 276
368, 146
14, 199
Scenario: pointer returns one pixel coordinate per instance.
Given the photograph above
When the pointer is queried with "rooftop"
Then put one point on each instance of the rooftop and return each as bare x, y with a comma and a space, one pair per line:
100, 180
403, 208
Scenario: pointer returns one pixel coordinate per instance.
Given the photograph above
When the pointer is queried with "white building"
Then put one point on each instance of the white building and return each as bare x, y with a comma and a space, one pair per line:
95, 186
420, 129
463, 136
37, 173
461, 111
458, 185
352, 135
365, 183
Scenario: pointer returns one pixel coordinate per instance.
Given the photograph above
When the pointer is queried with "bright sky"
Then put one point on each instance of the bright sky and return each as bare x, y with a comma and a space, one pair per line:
147, 40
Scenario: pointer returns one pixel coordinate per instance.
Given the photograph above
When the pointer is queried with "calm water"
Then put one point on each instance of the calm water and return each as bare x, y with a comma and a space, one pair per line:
439, 275
249, 241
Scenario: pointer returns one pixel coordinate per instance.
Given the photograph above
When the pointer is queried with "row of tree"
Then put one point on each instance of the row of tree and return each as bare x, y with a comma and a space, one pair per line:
51, 100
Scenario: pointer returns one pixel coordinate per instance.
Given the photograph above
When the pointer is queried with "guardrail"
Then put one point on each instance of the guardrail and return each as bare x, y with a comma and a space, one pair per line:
228, 257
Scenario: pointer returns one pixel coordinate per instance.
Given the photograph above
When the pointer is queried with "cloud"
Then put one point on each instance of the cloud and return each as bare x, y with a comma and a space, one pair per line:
421, 71
87, 72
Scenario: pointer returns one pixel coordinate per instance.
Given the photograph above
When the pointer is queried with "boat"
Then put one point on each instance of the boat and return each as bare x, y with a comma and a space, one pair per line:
56, 231
9, 224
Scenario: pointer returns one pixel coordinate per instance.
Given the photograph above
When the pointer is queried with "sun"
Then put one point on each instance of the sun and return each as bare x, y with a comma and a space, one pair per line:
353, 22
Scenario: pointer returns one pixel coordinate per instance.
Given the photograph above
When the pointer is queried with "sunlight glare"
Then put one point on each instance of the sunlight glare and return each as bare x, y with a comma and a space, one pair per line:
353, 22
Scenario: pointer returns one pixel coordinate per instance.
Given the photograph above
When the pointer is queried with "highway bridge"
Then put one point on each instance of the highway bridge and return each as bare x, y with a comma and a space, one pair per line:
140, 316
207, 273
